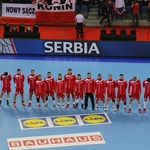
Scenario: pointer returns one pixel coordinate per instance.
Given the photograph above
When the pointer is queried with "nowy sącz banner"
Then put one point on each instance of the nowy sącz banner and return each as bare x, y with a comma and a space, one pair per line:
18, 10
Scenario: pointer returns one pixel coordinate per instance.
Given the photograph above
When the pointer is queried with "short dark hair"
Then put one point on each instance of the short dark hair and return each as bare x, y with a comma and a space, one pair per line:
79, 75
88, 73
49, 72
18, 70
121, 74
99, 74
69, 69
5, 73
32, 70
39, 75
60, 74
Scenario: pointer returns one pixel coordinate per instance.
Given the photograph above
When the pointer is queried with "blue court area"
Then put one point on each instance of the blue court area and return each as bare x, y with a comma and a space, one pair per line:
127, 131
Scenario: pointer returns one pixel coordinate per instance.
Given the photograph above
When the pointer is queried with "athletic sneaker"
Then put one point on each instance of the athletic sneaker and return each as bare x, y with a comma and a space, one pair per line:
29, 104
129, 110
58, 105
38, 105
144, 110
63, 106
67, 105
140, 111
45, 106
14, 105
23, 103
96, 108
106, 108
74, 106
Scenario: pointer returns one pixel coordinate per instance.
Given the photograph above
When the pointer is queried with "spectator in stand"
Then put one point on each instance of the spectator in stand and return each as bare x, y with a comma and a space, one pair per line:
86, 2
119, 8
135, 9
111, 7
100, 6
149, 11
106, 14
79, 3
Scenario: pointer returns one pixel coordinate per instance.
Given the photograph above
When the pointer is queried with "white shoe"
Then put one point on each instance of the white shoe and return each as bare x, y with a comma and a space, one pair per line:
63, 106
58, 106
96, 108
114, 109
37, 107
106, 109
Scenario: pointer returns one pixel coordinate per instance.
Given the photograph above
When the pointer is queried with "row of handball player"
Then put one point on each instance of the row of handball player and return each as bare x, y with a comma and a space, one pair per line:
78, 88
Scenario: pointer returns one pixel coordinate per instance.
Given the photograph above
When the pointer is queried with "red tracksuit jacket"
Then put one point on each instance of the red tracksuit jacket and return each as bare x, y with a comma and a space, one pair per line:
146, 86
100, 86
70, 81
60, 86
32, 80
6, 80
50, 83
121, 86
89, 85
110, 84
134, 87
79, 86
19, 80
40, 87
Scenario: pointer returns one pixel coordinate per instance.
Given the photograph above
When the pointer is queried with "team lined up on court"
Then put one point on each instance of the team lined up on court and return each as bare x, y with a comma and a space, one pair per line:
78, 88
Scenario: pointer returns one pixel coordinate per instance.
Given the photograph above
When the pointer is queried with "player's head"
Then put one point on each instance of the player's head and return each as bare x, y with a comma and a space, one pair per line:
110, 76
39, 76
99, 76
5, 73
19, 71
121, 76
148, 79
134, 78
32, 71
48, 74
69, 71
79, 76
89, 75
59, 76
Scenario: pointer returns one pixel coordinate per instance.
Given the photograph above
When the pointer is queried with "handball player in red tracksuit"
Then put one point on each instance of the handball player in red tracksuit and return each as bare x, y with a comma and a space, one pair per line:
60, 90
32, 78
40, 91
50, 87
6, 86
70, 79
134, 92
19, 86
100, 90
121, 85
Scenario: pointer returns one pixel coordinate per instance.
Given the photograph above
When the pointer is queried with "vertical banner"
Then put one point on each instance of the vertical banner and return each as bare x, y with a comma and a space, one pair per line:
57, 13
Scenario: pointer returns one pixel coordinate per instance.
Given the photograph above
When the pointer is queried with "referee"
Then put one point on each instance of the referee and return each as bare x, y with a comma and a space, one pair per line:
79, 24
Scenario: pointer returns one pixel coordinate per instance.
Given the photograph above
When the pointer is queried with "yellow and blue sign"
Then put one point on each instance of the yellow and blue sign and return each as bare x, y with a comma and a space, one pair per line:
34, 123
94, 118
64, 121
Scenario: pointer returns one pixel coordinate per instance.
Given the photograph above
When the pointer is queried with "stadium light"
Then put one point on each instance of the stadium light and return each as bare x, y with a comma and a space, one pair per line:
21, 28
35, 28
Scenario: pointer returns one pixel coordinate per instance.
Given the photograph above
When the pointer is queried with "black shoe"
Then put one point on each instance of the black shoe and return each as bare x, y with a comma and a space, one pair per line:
93, 109
85, 108
82, 106
76, 105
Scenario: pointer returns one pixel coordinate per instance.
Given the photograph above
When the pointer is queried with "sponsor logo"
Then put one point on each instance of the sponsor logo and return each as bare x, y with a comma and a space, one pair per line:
64, 121
77, 139
94, 119
71, 47
34, 123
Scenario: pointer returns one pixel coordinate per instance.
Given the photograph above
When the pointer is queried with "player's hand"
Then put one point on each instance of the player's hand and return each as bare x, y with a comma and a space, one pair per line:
129, 95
